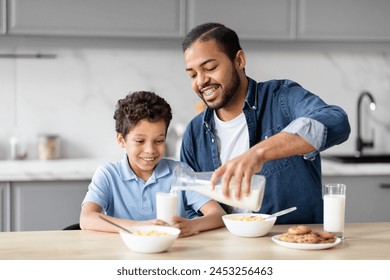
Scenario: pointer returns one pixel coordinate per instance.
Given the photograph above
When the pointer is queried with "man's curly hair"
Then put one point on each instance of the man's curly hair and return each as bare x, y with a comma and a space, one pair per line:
140, 105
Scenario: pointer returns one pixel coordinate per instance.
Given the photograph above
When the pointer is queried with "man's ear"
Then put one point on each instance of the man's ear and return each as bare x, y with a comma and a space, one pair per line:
121, 140
240, 59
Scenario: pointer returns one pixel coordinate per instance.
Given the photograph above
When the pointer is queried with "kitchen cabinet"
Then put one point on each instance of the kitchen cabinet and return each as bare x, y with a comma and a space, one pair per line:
367, 197
46, 205
251, 19
119, 18
286, 20
4, 206
344, 20
2, 17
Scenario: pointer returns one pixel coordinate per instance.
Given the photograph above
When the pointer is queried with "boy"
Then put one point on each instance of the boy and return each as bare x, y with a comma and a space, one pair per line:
125, 192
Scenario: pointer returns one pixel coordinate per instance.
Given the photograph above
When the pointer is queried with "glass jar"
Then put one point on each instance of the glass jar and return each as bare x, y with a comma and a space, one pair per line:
48, 146
17, 149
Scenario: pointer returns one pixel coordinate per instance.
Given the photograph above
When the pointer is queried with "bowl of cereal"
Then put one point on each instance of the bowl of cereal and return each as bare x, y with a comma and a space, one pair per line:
150, 239
248, 224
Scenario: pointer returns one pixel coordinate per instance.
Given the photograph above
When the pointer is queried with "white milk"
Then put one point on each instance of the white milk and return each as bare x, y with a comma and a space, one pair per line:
188, 180
251, 202
166, 206
334, 213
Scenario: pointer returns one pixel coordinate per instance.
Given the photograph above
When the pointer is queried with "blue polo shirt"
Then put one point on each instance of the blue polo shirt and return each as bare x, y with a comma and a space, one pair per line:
121, 194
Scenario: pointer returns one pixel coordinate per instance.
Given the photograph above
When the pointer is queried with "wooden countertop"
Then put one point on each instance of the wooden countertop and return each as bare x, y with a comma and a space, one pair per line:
364, 241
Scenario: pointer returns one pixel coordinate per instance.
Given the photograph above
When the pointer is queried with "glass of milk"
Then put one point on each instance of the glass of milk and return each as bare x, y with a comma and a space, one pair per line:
166, 206
334, 208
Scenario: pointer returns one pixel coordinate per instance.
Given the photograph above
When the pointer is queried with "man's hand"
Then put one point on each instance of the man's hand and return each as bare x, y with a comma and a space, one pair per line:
243, 167
240, 169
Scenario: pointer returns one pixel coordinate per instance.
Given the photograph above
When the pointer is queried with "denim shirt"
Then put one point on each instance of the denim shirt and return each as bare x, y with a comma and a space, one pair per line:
269, 108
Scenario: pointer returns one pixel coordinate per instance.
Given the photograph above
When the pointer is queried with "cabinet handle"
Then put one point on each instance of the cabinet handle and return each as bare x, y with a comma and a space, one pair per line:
385, 186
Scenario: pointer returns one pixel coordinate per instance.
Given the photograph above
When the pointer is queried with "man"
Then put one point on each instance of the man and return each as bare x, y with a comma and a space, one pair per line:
274, 128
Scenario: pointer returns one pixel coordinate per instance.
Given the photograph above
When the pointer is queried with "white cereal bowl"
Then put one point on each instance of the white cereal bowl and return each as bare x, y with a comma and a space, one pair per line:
248, 228
150, 244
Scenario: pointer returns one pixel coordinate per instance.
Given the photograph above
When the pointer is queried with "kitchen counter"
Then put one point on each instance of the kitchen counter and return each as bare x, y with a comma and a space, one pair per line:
333, 168
83, 169
364, 241
46, 170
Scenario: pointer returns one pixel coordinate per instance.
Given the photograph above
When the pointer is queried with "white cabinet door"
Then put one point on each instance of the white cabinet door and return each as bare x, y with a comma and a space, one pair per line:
251, 19
344, 20
4, 206
2, 17
123, 18
367, 197
46, 205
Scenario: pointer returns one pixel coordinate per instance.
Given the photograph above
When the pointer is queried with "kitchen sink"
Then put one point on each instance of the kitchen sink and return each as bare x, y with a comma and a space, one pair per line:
361, 159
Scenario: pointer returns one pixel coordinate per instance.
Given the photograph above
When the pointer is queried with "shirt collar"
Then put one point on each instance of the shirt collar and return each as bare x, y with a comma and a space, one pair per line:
251, 94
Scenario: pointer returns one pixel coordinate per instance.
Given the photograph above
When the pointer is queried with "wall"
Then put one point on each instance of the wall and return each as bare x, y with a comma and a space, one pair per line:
74, 95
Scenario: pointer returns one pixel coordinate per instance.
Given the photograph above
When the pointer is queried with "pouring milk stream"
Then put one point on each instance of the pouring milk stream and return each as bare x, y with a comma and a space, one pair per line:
188, 180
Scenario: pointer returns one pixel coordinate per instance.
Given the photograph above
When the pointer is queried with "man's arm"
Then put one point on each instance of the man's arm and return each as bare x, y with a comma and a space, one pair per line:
246, 165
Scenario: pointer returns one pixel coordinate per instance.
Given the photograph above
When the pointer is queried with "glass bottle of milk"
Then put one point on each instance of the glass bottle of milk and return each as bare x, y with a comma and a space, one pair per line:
188, 180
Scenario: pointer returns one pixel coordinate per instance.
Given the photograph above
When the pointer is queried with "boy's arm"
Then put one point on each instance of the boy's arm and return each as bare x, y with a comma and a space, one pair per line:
211, 219
89, 219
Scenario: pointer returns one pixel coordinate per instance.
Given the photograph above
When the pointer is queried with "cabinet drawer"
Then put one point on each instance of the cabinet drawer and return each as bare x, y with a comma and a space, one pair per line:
344, 20
2, 17
97, 18
251, 19
4, 207
46, 205
367, 197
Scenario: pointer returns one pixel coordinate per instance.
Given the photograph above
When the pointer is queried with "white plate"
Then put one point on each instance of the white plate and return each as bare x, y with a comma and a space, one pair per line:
303, 246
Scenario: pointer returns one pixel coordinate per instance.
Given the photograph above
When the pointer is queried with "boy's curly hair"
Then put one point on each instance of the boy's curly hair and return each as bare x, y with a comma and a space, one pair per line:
140, 105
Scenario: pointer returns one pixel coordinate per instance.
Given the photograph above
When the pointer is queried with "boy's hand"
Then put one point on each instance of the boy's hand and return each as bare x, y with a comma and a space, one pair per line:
186, 226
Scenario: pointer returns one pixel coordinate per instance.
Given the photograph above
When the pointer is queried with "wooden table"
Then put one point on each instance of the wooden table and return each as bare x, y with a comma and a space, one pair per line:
366, 241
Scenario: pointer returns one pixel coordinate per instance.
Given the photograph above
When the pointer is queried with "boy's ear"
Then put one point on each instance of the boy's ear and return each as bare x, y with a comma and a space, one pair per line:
120, 139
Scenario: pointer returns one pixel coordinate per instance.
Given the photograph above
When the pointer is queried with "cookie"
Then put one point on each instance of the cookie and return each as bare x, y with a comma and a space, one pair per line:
330, 240
307, 235
326, 235
288, 237
308, 238
301, 229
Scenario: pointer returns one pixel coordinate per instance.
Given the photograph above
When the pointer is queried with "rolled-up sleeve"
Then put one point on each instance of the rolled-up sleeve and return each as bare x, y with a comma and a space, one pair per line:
320, 124
311, 130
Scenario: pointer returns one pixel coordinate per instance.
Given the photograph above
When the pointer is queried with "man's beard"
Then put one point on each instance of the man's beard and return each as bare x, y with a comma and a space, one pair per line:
227, 93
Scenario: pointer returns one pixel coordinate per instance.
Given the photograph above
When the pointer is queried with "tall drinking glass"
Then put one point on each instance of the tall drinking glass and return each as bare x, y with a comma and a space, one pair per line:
334, 208
166, 205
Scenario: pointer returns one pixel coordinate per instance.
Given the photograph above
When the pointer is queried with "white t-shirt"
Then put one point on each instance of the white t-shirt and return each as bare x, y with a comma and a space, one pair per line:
232, 139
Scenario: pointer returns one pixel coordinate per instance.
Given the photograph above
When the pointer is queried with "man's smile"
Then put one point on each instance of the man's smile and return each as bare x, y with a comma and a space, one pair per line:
210, 91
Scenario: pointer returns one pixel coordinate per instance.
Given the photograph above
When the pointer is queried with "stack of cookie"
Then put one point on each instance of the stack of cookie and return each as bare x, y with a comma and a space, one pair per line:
305, 234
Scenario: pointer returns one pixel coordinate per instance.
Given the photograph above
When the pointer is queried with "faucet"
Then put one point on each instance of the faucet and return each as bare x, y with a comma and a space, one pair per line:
360, 143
